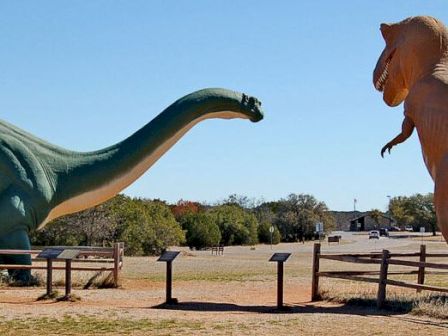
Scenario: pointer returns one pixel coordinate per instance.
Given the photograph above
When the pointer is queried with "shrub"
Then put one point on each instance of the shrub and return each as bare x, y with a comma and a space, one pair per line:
237, 226
147, 227
201, 231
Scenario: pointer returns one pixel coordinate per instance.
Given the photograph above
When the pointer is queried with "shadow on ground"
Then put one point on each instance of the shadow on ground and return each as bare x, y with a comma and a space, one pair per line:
302, 308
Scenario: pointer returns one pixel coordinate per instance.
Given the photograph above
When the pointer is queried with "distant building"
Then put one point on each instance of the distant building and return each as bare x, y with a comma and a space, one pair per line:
366, 222
360, 221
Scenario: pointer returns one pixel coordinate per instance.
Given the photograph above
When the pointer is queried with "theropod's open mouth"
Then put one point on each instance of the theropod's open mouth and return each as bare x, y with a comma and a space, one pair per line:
382, 78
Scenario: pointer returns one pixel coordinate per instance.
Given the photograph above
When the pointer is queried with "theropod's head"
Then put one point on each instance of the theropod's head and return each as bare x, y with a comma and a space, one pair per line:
413, 47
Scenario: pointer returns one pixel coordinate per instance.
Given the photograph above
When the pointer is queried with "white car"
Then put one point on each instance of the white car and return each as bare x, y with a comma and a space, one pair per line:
375, 234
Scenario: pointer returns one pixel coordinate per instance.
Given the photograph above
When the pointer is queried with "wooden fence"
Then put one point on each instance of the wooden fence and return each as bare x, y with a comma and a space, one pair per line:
383, 259
108, 259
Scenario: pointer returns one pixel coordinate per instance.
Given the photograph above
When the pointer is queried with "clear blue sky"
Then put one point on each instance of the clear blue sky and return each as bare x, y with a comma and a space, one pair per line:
86, 74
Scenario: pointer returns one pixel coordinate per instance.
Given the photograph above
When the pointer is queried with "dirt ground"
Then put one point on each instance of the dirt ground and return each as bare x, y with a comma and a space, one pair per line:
234, 294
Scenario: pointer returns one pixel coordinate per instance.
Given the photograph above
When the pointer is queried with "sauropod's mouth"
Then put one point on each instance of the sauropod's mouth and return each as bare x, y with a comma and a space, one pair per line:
382, 79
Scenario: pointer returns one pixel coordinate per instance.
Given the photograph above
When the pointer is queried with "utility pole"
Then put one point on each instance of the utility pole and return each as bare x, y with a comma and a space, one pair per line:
354, 213
388, 211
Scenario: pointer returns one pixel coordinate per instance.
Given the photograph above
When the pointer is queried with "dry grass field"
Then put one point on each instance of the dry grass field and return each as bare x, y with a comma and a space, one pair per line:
234, 294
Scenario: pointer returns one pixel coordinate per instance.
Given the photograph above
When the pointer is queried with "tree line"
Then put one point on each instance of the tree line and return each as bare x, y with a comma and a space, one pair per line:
149, 226
415, 211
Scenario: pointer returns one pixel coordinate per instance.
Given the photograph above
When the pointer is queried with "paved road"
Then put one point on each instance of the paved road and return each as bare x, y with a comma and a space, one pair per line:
351, 243
355, 242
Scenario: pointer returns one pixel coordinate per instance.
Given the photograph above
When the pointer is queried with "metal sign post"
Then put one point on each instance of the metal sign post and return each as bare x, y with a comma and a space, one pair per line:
280, 258
422, 231
50, 254
168, 257
68, 256
319, 229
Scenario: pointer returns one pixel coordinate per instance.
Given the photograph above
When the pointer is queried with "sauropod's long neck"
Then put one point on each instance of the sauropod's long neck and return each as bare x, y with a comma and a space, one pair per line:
92, 178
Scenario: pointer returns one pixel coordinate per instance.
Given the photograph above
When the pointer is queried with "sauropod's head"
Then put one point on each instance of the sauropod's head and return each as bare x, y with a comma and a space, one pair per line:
252, 106
413, 47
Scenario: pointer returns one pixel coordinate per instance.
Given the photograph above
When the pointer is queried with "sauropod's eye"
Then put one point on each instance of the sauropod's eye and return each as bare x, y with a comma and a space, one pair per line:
251, 101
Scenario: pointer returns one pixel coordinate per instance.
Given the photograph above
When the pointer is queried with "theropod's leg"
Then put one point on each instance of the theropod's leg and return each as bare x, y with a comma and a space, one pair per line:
16, 240
441, 197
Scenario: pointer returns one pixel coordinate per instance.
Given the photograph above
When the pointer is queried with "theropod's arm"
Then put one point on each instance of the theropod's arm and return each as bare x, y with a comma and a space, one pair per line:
406, 131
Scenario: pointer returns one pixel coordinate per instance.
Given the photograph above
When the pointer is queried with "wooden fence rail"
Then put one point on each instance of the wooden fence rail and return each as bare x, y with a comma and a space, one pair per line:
110, 258
383, 259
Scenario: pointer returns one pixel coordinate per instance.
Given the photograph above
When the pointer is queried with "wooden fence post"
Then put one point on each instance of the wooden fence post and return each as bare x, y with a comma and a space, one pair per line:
117, 257
381, 296
421, 269
315, 277
49, 277
68, 278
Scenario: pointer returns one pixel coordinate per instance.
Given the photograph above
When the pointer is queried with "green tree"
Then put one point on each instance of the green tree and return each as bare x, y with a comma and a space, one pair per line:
265, 213
147, 227
376, 215
298, 214
237, 226
91, 227
264, 233
201, 231
399, 210
416, 210
241, 201
56, 233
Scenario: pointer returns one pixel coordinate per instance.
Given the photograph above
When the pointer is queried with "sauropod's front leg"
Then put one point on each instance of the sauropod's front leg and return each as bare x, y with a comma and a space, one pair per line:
15, 223
441, 197
16, 240
406, 131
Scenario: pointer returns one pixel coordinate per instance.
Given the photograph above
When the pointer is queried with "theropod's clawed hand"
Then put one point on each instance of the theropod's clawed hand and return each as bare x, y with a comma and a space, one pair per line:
387, 147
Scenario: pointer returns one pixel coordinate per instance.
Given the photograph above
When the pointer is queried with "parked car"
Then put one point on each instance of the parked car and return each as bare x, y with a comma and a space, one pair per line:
384, 232
393, 228
408, 228
375, 234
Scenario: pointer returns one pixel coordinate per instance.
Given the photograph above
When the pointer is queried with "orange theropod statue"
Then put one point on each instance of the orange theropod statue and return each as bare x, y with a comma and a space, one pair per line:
413, 68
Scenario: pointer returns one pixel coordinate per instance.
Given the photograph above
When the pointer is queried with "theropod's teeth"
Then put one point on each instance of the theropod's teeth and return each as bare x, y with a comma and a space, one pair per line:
379, 85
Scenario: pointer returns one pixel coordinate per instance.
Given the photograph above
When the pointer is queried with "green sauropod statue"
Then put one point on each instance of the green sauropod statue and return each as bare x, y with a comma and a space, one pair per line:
40, 181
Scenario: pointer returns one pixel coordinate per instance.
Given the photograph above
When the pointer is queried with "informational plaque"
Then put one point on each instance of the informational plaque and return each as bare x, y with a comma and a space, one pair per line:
69, 254
280, 257
50, 253
168, 256
58, 253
